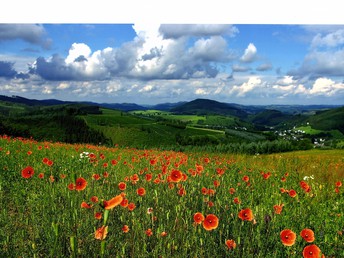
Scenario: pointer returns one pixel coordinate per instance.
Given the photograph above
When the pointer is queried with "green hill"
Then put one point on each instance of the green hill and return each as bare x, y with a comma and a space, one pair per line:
332, 119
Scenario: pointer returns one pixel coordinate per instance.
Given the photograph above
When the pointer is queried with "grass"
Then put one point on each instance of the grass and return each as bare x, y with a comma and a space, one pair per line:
42, 217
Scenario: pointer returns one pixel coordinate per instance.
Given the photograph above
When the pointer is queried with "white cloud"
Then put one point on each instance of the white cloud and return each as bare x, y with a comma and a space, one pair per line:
246, 87
331, 39
250, 54
77, 50
325, 86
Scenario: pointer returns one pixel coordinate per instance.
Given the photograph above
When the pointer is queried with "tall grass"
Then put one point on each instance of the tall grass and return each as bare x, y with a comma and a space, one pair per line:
42, 217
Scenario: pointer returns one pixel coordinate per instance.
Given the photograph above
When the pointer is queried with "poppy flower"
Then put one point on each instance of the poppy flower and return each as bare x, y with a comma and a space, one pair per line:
176, 175
236, 200
27, 172
311, 251
292, 193
245, 178
96, 176
101, 233
112, 203
98, 215
216, 183
41, 175
94, 199
149, 232
124, 203
308, 235
246, 214
85, 205
131, 206
181, 191
163, 234
278, 208
288, 237
125, 229
230, 243
204, 191
122, 186
338, 184
231, 190
80, 184
198, 218
148, 177
210, 222
105, 174
141, 191
71, 186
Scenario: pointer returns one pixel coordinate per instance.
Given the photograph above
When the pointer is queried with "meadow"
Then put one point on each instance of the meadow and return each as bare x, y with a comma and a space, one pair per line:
82, 200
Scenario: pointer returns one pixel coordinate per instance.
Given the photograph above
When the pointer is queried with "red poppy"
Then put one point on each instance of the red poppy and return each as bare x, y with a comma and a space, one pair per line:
27, 172
338, 184
85, 205
125, 229
216, 183
101, 233
176, 175
163, 234
266, 175
131, 206
124, 202
245, 178
210, 222
311, 251
204, 191
246, 214
230, 243
141, 191
122, 186
308, 235
231, 190
98, 215
236, 200
105, 174
288, 237
292, 193
94, 199
305, 186
148, 177
181, 191
71, 186
149, 232
278, 208
112, 203
41, 175
198, 218
80, 184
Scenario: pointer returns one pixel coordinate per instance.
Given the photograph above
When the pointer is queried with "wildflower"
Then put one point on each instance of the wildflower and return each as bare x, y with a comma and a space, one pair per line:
311, 251
149, 232
85, 205
288, 237
230, 243
181, 191
176, 175
338, 184
122, 186
71, 186
131, 206
149, 210
141, 191
148, 177
246, 179
105, 174
125, 229
278, 208
41, 175
236, 200
163, 234
216, 183
246, 214
204, 191
112, 203
231, 190
124, 203
96, 176
80, 184
292, 193
210, 222
198, 218
101, 233
308, 235
94, 199
27, 172
98, 215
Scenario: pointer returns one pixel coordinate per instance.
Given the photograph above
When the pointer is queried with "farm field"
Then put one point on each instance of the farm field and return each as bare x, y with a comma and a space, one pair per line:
82, 200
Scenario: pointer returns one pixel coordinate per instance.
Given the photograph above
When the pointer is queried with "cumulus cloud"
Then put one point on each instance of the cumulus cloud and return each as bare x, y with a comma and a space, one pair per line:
7, 70
32, 33
331, 39
250, 85
264, 67
174, 31
240, 68
325, 86
250, 54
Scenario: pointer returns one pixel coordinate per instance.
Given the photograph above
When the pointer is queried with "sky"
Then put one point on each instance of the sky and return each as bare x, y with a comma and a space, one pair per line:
153, 61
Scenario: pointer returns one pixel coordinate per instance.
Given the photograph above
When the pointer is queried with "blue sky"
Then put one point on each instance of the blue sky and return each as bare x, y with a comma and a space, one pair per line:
150, 62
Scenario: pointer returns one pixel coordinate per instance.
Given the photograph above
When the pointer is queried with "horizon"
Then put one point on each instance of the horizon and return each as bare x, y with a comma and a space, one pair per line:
152, 63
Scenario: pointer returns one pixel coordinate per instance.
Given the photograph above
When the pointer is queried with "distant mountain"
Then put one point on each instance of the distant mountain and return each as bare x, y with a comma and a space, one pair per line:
269, 117
33, 102
207, 106
328, 120
167, 106
122, 106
